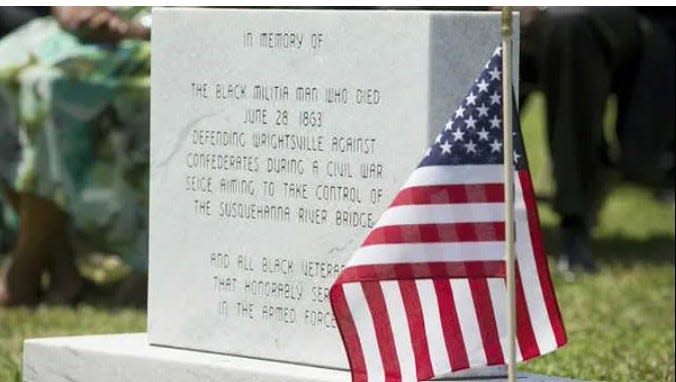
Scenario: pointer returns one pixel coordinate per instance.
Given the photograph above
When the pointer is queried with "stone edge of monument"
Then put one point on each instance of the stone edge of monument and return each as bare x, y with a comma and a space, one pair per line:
129, 358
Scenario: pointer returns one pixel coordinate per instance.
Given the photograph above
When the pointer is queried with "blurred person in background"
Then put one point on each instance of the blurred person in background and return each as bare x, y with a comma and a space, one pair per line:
74, 113
10, 19
578, 57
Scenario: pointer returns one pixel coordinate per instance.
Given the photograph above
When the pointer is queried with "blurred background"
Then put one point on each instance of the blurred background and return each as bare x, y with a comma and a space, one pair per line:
598, 120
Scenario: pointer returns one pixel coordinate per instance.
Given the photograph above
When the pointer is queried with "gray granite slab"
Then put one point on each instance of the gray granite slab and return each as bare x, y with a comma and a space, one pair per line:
241, 267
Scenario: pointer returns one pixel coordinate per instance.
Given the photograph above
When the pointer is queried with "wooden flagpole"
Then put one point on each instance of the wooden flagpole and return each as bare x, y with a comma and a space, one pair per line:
509, 189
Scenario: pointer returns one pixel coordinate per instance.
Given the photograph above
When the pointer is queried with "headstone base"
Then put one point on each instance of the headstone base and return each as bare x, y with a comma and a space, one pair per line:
129, 358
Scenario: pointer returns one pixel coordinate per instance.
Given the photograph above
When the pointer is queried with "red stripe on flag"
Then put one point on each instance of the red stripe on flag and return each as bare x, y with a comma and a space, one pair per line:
381, 322
348, 332
451, 194
483, 306
524, 328
540, 259
416, 327
435, 270
436, 233
455, 344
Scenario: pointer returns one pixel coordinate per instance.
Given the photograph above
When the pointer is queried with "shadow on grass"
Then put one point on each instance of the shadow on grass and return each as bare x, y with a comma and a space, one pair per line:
621, 250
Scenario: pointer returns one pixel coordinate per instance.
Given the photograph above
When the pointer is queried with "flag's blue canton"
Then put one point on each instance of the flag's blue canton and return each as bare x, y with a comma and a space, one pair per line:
473, 135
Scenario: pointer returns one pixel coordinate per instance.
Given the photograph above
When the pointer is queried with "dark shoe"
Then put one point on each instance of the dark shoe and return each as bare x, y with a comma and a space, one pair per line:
665, 195
576, 257
132, 291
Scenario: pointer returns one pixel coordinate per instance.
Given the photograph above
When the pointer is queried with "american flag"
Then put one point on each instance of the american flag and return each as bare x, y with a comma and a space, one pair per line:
425, 294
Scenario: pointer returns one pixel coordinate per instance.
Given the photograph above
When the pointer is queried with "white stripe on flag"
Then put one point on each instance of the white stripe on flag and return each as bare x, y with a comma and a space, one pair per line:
442, 213
469, 323
535, 300
400, 331
363, 321
466, 174
428, 252
498, 291
433, 330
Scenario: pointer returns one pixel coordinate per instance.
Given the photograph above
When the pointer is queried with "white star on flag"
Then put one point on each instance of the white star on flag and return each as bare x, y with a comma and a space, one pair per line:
495, 98
482, 85
471, 122
458, 135
470, 146
446, 148
459, 112
483, 110
495, 122
496, 146
495, 74
470, 99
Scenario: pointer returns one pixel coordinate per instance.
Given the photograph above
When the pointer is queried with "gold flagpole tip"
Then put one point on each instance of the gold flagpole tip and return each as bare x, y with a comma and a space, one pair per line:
506, 21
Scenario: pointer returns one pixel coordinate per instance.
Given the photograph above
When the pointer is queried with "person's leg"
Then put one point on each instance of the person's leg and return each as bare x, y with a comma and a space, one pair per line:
580, 51
65, 282
22, 281
42, 245
576, 80
646, 115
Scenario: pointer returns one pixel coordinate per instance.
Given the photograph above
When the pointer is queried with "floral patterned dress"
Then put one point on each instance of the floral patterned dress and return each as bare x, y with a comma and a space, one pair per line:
74, 128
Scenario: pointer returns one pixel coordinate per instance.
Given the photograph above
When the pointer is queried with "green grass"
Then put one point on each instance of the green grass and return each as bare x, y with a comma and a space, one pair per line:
620, 322
19, 323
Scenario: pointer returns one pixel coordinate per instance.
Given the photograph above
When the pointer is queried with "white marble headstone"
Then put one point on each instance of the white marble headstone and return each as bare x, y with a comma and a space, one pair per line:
277, 139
